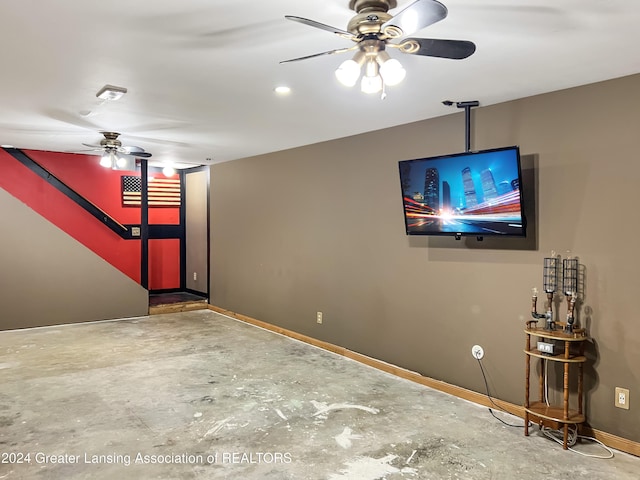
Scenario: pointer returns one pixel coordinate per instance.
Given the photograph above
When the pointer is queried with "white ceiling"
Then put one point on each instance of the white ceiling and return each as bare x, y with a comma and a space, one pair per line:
200, 74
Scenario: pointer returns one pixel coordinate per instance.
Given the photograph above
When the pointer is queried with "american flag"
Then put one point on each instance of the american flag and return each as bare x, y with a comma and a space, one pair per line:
163, 192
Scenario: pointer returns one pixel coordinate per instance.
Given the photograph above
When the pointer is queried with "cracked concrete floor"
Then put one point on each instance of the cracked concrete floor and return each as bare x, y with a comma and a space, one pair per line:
200, 395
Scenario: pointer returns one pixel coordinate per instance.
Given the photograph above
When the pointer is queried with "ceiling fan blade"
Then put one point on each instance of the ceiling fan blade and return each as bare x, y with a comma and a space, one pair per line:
94, 147
322, 26
330, 52
431, 47
416, 16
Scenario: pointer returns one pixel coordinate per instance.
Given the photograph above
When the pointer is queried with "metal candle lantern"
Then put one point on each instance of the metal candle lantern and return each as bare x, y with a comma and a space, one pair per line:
550, 274
570, 276
570, 287
550, 281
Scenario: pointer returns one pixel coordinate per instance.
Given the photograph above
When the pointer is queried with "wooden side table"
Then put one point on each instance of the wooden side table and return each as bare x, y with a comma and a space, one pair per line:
568, 350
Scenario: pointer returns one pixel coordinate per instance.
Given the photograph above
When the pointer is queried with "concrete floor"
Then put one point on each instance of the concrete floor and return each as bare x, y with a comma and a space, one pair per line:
199, 395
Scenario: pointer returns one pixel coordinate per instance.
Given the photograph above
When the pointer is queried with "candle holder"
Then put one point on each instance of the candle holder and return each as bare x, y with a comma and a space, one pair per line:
550, 322
534, 302
571, 303
548, 315
570, 288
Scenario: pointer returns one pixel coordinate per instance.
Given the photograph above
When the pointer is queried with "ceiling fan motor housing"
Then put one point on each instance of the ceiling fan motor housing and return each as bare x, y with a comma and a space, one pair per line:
110, 140
367, 23
371, 15
365, 6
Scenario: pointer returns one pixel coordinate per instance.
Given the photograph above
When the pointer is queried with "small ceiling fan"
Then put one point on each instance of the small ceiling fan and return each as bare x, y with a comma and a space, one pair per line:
114, 153
373, 28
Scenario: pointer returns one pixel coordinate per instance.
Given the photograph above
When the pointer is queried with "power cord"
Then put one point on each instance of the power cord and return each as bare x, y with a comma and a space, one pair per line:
555, 435
572, 439
486, 385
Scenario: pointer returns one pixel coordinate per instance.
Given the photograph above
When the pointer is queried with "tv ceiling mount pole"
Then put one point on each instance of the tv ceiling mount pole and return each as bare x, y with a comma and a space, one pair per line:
467, 119
467, 131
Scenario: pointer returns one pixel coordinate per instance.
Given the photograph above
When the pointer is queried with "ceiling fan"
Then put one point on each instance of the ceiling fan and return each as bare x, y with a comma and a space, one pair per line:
373, 28
114, 153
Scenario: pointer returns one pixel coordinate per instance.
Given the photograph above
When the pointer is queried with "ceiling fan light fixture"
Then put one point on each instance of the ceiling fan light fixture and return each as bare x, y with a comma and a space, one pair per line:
121, 162
169, 171
105, 160
282, 90
392, 72
371, 81
371, 84
373, 28
349, 71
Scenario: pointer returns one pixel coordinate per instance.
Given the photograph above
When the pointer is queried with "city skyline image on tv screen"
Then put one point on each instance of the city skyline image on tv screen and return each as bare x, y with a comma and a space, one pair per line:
471, 193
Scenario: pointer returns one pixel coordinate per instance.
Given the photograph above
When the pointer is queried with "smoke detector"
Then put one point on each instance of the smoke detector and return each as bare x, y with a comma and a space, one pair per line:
111, 92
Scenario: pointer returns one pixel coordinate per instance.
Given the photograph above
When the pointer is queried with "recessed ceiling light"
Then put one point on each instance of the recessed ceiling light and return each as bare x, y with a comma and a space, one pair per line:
111, 92
282, 90
7, 146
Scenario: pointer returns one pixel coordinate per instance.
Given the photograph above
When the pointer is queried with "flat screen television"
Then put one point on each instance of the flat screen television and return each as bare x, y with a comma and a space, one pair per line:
464, 194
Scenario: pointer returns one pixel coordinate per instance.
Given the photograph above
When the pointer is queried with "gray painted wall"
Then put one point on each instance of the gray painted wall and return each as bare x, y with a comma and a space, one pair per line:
320, 228
48, 278
196, 225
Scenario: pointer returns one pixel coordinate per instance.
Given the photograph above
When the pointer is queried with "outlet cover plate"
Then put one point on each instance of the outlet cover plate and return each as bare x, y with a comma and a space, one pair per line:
545, 347
622, 398
477, 352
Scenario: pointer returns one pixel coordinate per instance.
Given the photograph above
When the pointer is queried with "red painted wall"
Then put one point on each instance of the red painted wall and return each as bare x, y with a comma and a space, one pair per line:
99, 185
102, 187
164, 264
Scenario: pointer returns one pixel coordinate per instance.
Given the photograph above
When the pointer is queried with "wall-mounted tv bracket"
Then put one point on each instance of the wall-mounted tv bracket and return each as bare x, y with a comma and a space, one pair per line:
467, 131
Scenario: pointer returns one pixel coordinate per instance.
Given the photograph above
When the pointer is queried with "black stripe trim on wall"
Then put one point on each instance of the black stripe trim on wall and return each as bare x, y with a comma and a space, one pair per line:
58, 184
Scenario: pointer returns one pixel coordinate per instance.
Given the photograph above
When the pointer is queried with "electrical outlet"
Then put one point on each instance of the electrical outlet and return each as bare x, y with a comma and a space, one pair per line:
544, 347
319, 317
477, 352
622, 398
195, 275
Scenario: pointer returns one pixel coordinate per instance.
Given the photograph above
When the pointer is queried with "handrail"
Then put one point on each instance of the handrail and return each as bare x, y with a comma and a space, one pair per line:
54, 181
